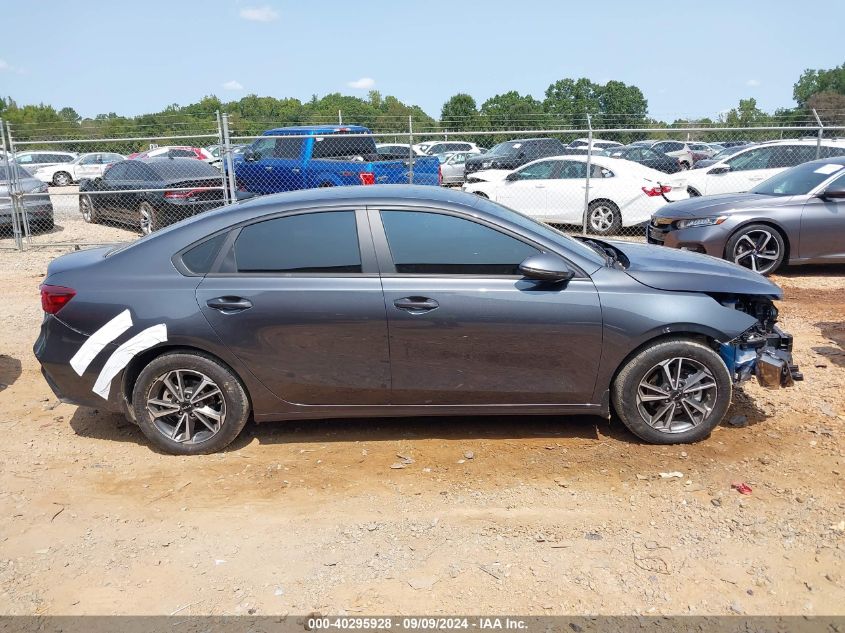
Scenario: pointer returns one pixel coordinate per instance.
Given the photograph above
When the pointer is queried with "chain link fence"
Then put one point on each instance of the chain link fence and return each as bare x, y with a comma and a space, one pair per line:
69, 186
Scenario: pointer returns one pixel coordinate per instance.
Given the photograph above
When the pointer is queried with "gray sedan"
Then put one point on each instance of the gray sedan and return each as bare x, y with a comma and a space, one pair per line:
394, 300
794, 217
452, 166
36, 201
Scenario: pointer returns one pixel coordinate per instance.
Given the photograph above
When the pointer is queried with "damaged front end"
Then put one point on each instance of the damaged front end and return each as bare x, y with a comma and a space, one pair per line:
763, 350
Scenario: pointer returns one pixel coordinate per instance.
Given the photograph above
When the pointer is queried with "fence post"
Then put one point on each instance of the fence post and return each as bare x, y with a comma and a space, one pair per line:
410, 150
10, 168
339, 117
230, 163
819, 135
223, 150
589, 168
19, 225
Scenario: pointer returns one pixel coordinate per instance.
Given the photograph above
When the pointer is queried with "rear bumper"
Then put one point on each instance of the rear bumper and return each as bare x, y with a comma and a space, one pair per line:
55, 346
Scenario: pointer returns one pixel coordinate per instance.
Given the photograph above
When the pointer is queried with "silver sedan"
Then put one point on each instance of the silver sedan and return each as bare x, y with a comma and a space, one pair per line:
452, 166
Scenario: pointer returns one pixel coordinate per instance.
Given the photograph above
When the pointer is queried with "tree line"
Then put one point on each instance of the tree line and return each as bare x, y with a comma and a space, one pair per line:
565, 105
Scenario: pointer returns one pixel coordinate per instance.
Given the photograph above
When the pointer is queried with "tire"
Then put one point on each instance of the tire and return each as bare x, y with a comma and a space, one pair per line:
693, 193
149, 219
203, 433
758, 247
684, 166
603, 218
62, 179
685, 418
89, 213
323, 185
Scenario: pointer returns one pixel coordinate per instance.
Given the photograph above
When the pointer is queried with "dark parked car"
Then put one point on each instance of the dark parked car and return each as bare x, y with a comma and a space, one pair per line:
516, 153
728, 151
797, 216
399, 300
646, 156
36, 201
150, 193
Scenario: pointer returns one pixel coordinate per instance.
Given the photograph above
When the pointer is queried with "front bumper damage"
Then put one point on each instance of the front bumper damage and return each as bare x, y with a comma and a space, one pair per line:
766, 356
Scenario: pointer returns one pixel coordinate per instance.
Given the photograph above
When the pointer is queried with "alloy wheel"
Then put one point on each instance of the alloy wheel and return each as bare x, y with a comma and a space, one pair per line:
145, 219
186, 406
676, 395
61, 179
85, 206
601, 218
757, 250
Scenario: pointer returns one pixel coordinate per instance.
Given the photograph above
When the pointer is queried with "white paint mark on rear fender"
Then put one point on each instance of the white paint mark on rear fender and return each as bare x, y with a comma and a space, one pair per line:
126, 352
98, 340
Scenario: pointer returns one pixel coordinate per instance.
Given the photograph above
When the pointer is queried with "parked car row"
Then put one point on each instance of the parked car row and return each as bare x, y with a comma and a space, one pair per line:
796, 216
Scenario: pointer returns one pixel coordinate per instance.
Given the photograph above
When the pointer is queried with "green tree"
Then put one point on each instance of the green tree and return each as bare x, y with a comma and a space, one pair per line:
814, 81
460, 112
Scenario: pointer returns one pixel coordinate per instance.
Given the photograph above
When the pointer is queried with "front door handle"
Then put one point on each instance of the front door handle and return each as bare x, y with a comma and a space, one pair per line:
229, 305
416, 305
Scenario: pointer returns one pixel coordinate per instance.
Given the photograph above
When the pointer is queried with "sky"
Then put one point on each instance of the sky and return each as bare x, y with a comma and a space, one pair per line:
689, 58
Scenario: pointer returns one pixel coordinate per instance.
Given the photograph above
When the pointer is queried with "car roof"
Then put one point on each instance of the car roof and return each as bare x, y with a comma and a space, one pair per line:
47, 151
316, 129
171, 168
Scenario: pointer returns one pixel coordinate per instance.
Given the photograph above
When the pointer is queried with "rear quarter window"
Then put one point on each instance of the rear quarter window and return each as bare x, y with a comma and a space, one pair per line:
200, 258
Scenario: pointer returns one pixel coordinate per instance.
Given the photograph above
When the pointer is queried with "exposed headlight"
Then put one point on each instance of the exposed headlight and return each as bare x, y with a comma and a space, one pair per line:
42, 188
688, 224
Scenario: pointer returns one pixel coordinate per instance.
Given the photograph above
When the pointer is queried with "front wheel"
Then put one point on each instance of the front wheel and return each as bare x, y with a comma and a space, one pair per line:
189, 404
89, 213
758, 247
673, 392
148, 218
603, 218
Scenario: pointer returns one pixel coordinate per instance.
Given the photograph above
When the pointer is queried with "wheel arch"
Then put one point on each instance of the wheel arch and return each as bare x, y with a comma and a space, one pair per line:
137, 364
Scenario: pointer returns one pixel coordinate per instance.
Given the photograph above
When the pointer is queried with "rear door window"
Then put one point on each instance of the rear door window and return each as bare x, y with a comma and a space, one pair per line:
324, 242
341, 146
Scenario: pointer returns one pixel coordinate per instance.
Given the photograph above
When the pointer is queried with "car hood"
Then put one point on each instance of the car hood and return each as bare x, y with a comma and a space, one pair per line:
678, 270
722, 204
491, 175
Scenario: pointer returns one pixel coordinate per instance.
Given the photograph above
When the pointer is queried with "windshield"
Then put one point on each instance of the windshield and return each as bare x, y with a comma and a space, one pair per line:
502, 149
728, 151
799, 180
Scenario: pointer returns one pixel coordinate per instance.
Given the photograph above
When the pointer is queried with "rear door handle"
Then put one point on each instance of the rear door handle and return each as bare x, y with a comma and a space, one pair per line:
416, 305
229, 305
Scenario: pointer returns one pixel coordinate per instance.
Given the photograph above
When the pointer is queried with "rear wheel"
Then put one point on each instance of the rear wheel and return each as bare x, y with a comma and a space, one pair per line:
758, 247
603, 218
62, 179
673, 392
188, 404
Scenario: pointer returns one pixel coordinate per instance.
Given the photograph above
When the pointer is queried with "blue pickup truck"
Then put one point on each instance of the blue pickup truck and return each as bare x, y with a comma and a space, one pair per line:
309, 156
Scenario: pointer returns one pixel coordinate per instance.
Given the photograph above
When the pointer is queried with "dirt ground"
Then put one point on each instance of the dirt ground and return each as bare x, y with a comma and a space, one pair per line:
521, 515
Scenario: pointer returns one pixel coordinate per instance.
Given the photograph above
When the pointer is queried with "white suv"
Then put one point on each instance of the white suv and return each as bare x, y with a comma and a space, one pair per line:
748, 167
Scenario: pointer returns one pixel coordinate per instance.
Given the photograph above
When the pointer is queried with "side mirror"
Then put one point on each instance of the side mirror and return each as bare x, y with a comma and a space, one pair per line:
250, 155
546, 267
834, 193
721, 169
511, 177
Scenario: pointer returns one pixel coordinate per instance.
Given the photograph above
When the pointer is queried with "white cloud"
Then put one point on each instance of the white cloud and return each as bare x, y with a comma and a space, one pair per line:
364, 83
233, 85
7, 67
752, 83
264, 13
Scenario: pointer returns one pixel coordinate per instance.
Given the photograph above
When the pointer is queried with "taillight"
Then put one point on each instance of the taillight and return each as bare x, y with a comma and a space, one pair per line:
54, 298
181, 195
367, 178
657, 190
